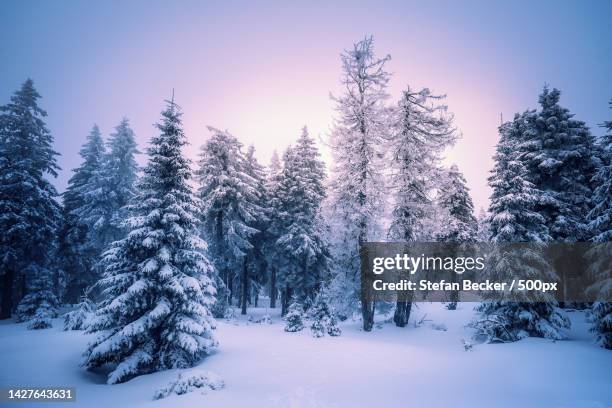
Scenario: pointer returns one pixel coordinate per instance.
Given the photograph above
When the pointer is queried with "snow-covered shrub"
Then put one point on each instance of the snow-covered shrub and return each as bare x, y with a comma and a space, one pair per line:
188, 382
323, 319
451, 306
332, 326
317, 328
500, 322
265, 319
41, 320
40, 305
78, 319
294, 318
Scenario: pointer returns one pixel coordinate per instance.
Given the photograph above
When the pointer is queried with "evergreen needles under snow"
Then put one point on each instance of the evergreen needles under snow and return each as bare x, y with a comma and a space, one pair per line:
76, 252
513, 220
189, 382
601, 227
301, 252
80, 317
294, 318
323, 319
157, 286
29, 212
231, 209
40, 304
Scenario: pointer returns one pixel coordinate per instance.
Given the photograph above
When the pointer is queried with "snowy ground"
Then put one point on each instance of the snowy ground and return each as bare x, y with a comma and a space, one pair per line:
390, 367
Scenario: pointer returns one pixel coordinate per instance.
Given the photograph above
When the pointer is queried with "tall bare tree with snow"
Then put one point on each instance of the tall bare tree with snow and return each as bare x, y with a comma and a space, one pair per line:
357, 184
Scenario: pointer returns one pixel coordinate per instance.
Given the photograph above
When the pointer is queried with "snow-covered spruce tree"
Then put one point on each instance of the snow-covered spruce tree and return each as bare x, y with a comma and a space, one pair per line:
600, 216
601, 226
600, 317
230, 205
560, 162
484, 232
357, 184
513, 220
454, 198
79, 318
294, 319
76, 254
253, 276
109, 190
323, 318
460, 225
122, 173
271, 232
298, 196
40, 304
158, 286
421, 129
29, 213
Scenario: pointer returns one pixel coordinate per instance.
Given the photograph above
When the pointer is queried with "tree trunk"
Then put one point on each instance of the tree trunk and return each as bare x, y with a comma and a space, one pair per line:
285, 300
6, 307
367, 305
24, 288
230, 287
402, 313
367, 314
245, 286
454, 294
273, 290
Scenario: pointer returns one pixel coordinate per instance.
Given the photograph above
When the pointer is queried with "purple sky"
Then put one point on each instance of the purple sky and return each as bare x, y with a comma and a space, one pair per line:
264, 69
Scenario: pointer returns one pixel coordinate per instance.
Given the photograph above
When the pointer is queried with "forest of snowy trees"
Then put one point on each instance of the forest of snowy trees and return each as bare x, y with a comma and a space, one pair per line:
149, 257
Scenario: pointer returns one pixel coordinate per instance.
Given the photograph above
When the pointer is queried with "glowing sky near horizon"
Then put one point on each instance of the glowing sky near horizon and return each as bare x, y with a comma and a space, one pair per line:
262, 70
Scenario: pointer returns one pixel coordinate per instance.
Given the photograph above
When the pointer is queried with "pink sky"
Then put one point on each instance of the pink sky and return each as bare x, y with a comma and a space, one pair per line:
264, 69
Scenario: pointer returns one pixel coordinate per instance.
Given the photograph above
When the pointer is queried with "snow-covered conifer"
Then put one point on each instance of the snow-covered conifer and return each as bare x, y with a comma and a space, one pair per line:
109, 190
600, 216
294, 319
323, 318
254, 273
421, 130
600, 317
297, 202
357, 184
40, 304
79, 318
560, 162
230, 206
454, 199
29, 212
158, 286
601, 228
75, 252
459, 225
513, 220
484, 232
271, 232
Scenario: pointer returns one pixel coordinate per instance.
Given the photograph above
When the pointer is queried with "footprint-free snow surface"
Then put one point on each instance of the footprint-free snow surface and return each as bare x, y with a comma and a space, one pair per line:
423, 365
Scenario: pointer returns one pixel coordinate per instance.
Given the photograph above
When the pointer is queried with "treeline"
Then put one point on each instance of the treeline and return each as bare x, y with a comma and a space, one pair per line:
158, 257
